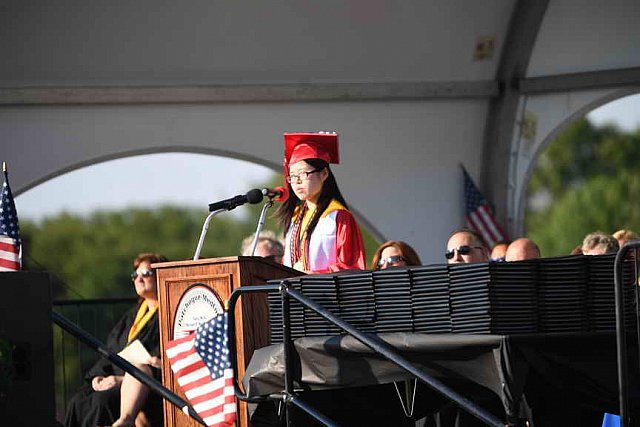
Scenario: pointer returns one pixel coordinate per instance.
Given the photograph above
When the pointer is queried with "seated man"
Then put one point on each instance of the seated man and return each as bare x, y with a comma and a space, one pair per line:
268, 246
464, 246
599, 243
521, 249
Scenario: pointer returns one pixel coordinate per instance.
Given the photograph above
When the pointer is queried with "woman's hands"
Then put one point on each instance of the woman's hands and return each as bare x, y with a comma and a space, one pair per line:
101, 383
155, 361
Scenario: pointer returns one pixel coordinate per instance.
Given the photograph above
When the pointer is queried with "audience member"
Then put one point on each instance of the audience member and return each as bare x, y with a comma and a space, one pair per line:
268, 246
521, 249
394, 254
599, 243
499, 251
623, 236
577, 250
465, 245
99, 402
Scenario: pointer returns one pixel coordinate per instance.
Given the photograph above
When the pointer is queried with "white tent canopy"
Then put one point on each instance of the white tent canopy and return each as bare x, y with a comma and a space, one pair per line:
414, 88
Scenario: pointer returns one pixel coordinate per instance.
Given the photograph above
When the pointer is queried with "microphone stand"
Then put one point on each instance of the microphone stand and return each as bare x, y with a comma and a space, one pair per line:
205, 227
256, 236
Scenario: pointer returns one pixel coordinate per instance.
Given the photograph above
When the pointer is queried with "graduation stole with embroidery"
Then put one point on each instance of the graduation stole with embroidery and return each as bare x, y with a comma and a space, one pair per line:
299, 242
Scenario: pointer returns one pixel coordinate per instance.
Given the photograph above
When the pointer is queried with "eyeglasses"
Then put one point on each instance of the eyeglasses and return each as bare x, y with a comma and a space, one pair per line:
143, 273
302, 176
462, 250
392, 260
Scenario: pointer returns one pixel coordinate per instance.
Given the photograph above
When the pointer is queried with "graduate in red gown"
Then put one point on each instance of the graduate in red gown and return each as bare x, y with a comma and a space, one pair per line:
322, 235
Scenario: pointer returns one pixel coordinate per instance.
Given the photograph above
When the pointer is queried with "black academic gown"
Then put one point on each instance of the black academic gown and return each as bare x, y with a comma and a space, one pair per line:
89, 408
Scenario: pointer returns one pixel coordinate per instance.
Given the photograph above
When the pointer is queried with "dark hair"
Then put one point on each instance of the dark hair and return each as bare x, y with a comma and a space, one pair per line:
408, 253
329, 191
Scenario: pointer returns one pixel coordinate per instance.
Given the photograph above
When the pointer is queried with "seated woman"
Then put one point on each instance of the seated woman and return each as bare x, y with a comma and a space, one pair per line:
394, 254
98, 403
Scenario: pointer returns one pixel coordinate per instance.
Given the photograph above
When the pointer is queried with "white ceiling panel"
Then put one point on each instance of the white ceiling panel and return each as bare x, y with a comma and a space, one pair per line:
145, 42
578, 36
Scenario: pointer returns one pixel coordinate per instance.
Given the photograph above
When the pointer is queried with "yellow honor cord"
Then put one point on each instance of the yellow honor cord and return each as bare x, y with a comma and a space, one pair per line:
142, 318
306, 219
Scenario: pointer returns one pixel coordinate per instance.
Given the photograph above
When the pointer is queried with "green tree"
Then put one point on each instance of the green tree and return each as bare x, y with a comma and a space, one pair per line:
601, 203
590, 175
92, 255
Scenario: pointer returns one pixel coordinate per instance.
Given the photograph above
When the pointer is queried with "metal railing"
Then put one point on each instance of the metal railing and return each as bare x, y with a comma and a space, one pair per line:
71, 358
153, 384
627, 418
289, 396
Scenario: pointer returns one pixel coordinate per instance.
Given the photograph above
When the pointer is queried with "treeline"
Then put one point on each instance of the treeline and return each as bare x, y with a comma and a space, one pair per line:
90, 256
588, 179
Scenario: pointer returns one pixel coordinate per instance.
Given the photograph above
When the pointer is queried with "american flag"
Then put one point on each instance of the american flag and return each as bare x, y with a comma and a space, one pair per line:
479, 214
201, 364
9, 229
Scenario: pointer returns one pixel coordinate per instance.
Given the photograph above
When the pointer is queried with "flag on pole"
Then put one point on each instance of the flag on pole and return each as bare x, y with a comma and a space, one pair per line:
201, 364
479, 214
9, 229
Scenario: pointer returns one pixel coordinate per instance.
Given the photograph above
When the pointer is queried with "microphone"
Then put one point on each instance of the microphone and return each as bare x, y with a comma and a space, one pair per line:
252, 197
274, 193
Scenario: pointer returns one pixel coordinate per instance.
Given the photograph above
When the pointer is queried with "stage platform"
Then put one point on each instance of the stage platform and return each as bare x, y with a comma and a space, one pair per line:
550, 379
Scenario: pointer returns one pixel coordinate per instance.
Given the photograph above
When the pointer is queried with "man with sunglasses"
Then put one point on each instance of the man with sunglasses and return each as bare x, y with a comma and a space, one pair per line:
465, 246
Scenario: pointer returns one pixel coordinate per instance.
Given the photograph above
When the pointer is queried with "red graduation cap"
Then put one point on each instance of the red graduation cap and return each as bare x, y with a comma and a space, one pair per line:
309, 145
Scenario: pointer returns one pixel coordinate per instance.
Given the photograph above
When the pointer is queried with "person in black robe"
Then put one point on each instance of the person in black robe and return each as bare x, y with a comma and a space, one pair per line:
98, 402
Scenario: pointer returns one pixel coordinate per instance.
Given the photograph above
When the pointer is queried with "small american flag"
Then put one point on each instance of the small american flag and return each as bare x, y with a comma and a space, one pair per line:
9, 229
479, 214
203, 370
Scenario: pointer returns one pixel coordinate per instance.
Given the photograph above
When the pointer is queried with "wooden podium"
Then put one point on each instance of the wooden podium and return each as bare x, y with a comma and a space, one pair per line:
185, 291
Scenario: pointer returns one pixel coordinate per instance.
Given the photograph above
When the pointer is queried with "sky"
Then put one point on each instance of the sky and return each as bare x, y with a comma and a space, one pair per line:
624, 112
198, 179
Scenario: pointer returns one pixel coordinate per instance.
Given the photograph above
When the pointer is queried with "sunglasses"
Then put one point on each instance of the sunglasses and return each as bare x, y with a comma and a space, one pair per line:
390, 261
462, 250
143, 273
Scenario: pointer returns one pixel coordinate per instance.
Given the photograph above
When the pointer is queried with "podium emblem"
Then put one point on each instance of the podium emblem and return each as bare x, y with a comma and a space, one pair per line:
198, 304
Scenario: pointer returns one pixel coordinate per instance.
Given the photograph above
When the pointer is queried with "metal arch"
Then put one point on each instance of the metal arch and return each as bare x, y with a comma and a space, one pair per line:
524, 26
519, 193
580, 81
276, 168
143, 151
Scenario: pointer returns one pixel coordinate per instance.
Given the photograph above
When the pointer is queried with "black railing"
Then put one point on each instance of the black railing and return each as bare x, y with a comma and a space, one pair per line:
78, 344
71, 358
627, 418
153, 384
289, 396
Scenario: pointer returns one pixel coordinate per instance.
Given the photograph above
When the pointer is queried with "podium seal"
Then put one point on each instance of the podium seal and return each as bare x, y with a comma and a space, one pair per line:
197, 305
